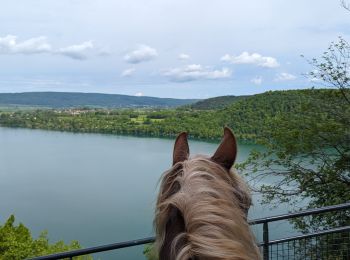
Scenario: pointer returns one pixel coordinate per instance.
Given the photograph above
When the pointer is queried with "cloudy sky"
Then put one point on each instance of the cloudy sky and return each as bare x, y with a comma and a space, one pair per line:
165, 48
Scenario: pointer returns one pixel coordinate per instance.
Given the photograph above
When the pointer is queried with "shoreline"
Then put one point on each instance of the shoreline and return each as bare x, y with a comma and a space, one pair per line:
172, 137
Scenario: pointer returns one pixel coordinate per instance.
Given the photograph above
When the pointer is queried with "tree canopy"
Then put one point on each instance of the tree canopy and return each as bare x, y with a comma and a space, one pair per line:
17, 243
308, 152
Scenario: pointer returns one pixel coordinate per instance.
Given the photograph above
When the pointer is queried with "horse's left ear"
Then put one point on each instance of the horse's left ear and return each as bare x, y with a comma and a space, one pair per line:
181, 149
226, 153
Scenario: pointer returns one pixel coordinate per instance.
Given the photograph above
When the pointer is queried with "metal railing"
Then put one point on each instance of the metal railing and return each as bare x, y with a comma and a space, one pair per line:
267, 244
294, 246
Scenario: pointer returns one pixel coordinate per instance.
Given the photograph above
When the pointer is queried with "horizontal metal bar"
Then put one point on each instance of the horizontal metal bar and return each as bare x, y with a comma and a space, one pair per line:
142, 241
300, 214
319, 233
95, 249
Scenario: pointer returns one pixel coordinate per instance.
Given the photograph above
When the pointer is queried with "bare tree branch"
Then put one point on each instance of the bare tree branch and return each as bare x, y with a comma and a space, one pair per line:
345, 5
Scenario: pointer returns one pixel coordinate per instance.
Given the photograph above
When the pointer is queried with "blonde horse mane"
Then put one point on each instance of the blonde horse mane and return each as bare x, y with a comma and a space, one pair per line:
201, 211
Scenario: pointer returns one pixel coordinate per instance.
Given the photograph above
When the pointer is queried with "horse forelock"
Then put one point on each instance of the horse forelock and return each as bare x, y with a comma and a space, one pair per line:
201, 213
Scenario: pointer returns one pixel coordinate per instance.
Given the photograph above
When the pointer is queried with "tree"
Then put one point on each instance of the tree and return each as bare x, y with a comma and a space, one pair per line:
16, 243
308, 153
333, 70
345, 4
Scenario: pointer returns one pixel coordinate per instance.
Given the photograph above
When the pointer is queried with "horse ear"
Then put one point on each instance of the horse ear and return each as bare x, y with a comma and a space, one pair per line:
181, 150
226, 153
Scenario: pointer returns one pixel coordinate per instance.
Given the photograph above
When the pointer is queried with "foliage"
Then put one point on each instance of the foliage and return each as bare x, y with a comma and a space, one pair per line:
248, 117
16, 242
308, 151
69, 100
150, 252
216, 102
333, 70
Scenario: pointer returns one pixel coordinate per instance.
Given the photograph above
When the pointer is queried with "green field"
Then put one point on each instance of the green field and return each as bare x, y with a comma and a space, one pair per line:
249, 117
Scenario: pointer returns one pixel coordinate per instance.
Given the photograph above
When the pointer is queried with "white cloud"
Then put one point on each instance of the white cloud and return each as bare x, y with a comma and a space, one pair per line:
196, 72
254, 58
9, 45
314, 79
183, 56
128, 72
257, 80
139, 94
36, 45
284, 76
141, 54
78, 51
103, 51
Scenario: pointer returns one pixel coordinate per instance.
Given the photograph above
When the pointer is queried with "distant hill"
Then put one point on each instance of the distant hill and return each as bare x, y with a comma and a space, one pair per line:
72, 99
216, 102
250, 117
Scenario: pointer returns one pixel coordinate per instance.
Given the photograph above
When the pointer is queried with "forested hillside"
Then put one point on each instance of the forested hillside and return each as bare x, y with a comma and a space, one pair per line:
69, 100
248, 117
216, 102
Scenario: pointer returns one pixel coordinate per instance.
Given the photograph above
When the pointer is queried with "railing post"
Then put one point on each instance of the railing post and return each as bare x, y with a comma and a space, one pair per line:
266, 241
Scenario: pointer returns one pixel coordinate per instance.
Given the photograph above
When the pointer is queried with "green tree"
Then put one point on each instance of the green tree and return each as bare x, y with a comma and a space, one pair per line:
150, 252
16, 243
308, 152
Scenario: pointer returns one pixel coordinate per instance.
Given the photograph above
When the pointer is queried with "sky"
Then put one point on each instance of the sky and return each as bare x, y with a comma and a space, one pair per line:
165, 48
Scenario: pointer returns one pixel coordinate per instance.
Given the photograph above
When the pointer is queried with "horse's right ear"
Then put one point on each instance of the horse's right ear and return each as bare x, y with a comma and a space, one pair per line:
226, 153
181, 149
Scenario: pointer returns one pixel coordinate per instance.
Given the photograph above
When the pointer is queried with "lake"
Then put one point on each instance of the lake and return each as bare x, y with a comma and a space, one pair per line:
96, 189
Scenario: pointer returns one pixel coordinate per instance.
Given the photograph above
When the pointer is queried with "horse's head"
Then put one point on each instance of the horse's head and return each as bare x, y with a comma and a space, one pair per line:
202, 206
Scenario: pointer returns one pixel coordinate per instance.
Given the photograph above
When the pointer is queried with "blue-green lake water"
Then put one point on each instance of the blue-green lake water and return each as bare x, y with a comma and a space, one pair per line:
96, 189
